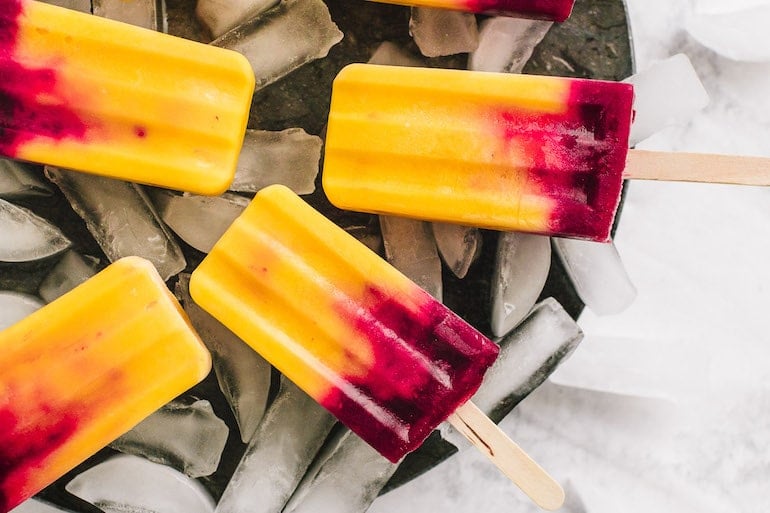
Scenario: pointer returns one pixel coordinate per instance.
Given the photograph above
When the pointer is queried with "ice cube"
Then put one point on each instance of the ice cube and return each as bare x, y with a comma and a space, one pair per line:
598, 274
522, 264
243, 375
121, 218
528, 355
27, 237
458, 245
346, 477
132, 484
289, 157
439, 32
281, 39
71, 271
14, 306
657, 104
390, 54
736, 31
149, 14
185, 434
19, 180
75, 5
506, 44
198, 220
219, 16
286, 442
411, 248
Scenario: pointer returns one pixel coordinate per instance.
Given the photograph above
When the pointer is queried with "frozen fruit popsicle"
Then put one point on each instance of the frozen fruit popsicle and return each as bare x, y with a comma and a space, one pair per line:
350, 330
95, 95
554, 10
501, 151
86, 368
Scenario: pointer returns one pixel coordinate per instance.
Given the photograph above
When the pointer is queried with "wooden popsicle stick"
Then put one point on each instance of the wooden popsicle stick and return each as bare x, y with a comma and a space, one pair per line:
512, 461
695, 167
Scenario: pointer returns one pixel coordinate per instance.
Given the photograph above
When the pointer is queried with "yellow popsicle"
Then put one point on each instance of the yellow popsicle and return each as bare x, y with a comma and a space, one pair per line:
358, 336
86, 93
85, 369
495, 150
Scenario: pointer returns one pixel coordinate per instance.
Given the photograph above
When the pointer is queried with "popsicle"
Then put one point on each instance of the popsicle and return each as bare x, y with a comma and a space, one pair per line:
501, 151
91, 94
510, 152
85, 369
554, 10
369, 345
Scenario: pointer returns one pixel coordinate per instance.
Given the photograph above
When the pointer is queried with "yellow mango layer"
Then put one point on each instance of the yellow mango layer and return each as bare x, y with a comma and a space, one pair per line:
123, 101
426, 144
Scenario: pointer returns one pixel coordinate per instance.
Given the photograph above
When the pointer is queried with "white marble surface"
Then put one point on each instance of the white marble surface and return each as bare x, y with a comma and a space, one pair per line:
695, 345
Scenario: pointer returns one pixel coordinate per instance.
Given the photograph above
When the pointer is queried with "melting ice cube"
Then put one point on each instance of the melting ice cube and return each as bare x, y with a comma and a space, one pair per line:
27, 237
440, 32
128, 483
185, 434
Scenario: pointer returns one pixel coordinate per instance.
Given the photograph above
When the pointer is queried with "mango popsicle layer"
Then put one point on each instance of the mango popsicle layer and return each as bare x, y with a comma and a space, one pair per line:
554, 10
350, 330
501, 151
86, 368
86, 93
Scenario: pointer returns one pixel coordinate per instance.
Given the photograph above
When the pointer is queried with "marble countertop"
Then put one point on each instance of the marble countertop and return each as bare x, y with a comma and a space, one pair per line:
666, 406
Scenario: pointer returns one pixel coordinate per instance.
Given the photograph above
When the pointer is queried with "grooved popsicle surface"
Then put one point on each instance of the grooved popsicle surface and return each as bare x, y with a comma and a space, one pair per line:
160, 110
85, 369
508, 152
350, 330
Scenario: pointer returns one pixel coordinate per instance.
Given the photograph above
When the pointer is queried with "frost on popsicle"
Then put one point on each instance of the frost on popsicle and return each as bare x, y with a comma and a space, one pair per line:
281, 39
121, 218
185, 434
279, 453
289, 157
439, 32
127, 483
